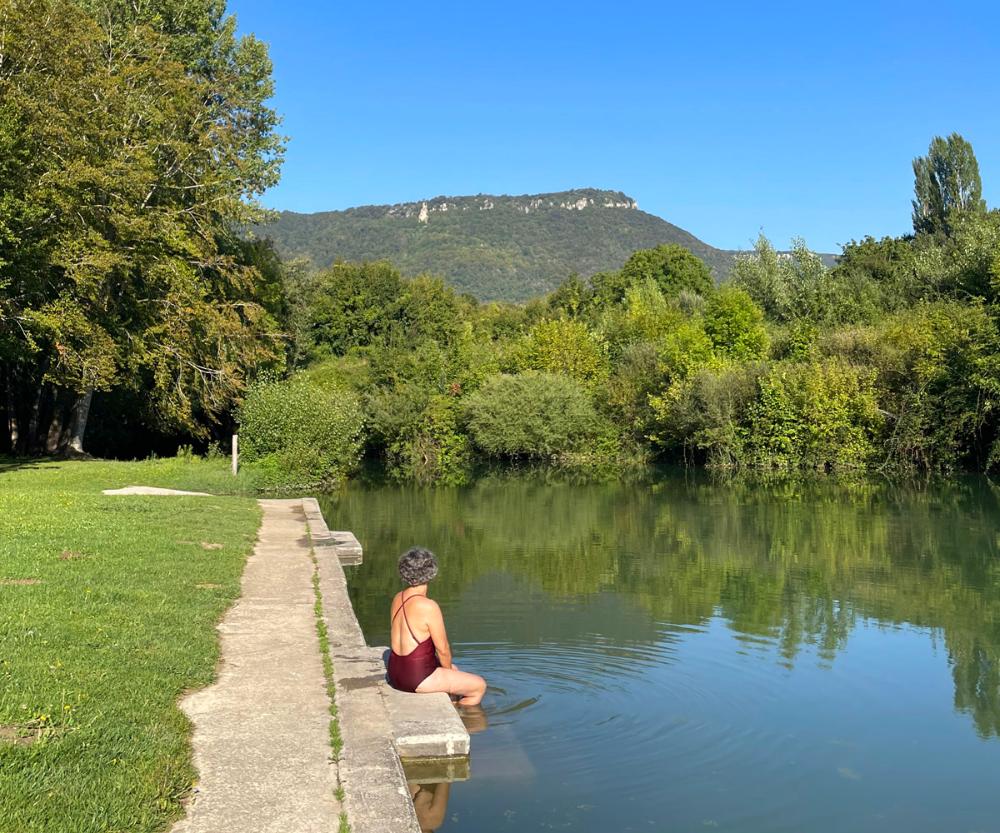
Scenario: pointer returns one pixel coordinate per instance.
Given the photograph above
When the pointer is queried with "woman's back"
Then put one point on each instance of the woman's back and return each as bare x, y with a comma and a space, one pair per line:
410, 621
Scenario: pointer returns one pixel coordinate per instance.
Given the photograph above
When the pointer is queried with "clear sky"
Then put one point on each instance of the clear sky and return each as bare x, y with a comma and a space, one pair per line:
723, 118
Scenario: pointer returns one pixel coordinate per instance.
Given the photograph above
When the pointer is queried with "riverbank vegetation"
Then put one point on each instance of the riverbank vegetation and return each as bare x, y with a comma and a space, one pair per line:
108, 607
890, 361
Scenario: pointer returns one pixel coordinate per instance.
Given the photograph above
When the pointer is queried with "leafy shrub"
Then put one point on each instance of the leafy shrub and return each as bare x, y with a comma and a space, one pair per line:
940, 378
706, 414
567, 347
436, 449
637, 375
531, 415
735, 324
297, 434
820, 415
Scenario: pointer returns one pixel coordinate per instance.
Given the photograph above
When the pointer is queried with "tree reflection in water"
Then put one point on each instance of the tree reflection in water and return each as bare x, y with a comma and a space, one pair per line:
798, 563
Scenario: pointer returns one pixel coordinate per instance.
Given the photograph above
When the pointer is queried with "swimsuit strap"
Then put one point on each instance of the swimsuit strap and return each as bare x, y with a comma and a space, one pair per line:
402, 607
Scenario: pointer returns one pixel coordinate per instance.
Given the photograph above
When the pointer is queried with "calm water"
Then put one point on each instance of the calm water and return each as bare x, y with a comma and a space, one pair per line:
686, 656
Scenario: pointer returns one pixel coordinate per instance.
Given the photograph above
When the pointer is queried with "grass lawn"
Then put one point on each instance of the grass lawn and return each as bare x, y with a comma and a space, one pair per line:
107, 614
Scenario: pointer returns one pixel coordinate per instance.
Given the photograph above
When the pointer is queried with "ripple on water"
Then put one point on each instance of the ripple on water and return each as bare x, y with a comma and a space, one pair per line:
642, 717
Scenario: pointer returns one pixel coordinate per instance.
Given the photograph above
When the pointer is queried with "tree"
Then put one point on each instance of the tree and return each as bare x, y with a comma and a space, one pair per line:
570, 296
880, 276
789, 287
673, 268
428, 309
967, 263
759, 272
946, 182
349, 305
124, 179
736, 324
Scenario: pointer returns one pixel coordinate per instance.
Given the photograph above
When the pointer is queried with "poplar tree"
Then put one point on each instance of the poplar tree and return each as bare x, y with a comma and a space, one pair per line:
946, 183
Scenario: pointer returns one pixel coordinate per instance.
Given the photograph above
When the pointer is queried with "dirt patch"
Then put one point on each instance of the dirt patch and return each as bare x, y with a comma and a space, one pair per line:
14, 735
70, 555
205, 545
18, 582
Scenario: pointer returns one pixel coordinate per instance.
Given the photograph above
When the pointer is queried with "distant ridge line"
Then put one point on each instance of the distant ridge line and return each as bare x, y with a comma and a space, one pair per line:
495, 247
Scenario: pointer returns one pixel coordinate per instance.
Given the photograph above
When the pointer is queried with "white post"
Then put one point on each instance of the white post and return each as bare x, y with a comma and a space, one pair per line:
236, 454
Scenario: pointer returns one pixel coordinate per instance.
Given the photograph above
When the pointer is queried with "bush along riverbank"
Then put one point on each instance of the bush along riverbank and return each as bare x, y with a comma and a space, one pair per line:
888, 362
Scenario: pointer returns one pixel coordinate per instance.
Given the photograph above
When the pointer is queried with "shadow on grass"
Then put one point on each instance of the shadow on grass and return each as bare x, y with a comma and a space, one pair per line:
13, 463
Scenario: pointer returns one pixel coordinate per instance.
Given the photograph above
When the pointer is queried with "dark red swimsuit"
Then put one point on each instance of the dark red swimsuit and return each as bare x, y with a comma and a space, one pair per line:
407, 672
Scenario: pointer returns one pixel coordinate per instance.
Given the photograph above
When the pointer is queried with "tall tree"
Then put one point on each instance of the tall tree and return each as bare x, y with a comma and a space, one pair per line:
124, 173
946, 182
673, 267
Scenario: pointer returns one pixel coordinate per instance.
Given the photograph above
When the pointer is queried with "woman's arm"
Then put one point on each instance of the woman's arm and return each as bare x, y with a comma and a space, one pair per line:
439, 636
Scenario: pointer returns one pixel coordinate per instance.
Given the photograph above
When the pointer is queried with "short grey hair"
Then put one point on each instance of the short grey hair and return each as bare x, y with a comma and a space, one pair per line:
417, 566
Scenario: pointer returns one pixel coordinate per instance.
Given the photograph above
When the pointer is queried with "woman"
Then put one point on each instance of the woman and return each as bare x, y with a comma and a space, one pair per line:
420, 659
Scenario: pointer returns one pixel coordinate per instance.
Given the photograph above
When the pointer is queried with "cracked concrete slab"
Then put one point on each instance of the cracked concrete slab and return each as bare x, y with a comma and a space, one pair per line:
261, 739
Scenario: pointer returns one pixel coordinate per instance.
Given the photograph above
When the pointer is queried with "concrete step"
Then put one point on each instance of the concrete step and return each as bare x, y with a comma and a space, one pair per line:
344, 544
423, 725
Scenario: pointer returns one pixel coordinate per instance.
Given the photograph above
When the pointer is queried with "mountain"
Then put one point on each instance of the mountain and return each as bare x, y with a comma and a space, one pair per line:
493, 247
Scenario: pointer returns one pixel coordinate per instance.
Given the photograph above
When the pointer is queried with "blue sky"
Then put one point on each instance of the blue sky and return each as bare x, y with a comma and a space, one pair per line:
723, 118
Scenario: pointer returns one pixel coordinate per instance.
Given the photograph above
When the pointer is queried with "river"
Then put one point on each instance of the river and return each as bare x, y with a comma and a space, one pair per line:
686, 655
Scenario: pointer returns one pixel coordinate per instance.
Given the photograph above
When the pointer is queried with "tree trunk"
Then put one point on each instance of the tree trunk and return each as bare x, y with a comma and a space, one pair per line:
8, 431
55, 437
81, 411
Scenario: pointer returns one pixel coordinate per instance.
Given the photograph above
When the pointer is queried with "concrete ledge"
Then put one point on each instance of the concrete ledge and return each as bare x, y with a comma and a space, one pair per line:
423, 725
376, 797
344, 544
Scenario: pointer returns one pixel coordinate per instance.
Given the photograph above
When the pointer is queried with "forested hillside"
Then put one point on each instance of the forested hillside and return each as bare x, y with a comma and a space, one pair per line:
495, 248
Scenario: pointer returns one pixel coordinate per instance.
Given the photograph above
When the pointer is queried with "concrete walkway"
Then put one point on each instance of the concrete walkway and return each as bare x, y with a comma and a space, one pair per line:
261, 731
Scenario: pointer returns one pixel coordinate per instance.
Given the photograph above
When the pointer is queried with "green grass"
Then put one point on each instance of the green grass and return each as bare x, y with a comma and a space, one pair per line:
336, 740
107, 614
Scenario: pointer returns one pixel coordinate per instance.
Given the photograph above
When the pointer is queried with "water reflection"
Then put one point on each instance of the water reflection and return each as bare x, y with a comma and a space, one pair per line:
431, 803
769, 652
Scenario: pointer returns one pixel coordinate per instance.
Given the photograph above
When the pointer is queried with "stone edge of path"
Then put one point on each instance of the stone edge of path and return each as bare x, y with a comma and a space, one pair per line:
376, 798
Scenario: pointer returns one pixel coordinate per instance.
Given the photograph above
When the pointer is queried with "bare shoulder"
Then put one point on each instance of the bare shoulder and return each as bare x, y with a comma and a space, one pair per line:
427, 606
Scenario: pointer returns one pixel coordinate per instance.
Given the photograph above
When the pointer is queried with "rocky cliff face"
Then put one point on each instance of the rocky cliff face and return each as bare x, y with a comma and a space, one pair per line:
577, 200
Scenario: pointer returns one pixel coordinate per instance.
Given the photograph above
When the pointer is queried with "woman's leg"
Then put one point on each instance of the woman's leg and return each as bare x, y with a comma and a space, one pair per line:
470, 687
